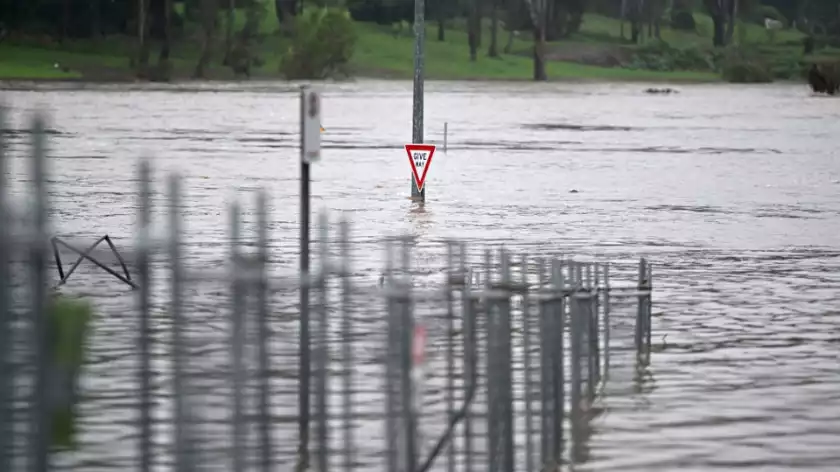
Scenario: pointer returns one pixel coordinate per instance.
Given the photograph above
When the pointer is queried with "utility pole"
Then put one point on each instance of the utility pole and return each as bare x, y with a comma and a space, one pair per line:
417, 112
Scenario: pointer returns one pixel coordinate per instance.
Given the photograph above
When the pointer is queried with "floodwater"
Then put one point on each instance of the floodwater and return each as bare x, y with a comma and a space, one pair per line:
731, 192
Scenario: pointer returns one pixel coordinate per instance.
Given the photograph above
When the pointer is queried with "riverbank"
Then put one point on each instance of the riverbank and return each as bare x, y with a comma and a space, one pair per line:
597, 52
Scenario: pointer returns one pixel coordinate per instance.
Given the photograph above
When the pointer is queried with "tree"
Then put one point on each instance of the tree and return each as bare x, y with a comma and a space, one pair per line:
721, 12
208, 28
473, 27
537, 8
441, 13
241, 55
493, 50
95, 19
164, 67
230, 19
655, 9
286, 11
634, 14
143, 24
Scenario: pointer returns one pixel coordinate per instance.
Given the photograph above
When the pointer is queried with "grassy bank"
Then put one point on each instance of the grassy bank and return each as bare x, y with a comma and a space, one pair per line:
384, 52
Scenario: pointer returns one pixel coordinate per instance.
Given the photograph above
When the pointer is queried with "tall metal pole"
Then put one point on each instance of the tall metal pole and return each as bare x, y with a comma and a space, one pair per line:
41, 420
417, 118
304, 367
6, 372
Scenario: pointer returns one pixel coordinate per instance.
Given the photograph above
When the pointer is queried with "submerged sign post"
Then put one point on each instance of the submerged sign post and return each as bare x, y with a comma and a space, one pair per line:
420, 158
310, 152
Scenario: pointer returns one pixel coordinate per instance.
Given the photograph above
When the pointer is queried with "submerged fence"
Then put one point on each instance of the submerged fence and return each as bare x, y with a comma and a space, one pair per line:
493, 363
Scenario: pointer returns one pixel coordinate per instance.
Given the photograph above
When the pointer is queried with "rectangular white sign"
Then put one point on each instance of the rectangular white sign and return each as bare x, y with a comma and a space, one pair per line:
311, 126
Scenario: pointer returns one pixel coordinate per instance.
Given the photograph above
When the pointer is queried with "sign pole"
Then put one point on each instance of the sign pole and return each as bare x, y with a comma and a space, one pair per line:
310, 152
417, 118
303, 357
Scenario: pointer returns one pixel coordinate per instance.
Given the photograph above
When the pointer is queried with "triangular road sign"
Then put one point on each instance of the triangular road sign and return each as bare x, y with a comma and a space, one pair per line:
420, 158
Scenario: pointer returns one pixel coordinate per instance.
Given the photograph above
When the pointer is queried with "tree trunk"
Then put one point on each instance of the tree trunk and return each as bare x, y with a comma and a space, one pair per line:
509, 44
538, 10
539, 54
231, 18
95, 19
279, 10
440, 15
719, 24
733, 17
479, 11
208, 23
718, 11
472, 30
623, 16
164, 68
242, 54
286, 12
636, 27
142, 63
493, 51
65, 20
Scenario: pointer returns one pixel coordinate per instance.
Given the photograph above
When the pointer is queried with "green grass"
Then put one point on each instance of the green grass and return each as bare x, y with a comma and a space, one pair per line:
600, 28
380, 54
31, 63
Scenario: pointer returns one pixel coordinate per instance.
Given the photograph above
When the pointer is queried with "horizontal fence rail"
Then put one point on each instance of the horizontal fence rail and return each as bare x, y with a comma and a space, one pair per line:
493, 362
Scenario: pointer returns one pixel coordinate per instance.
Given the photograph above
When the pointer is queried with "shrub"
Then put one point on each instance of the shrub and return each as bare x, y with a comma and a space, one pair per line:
402, 28
659, 55
739, 65
321, 46
760, 12
787, 67
683, 20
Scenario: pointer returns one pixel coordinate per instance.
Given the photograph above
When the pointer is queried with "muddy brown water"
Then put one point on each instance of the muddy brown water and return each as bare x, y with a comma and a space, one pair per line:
732, 193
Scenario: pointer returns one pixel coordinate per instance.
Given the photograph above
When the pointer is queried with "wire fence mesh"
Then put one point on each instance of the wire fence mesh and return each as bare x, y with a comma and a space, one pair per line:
487, 360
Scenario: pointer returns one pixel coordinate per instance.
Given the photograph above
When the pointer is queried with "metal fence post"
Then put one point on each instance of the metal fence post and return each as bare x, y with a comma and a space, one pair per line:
506, 385
607, 327
492, 354
640, 309
237, 341
546, 379
576, 335
322, 348
591, 338
648, 307
7, 374
41, 419
183, 445
144, 340
526, 363
391, 364
556, 339
595, 291
470, 355
450, 349
407, 384
264, 334
347, 342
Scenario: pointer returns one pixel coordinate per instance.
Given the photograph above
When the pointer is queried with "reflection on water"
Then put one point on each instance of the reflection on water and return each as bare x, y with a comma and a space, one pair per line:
422, 219
730, 191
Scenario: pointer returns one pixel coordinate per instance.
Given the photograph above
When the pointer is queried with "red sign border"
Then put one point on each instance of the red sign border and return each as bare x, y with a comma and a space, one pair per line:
409, 148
